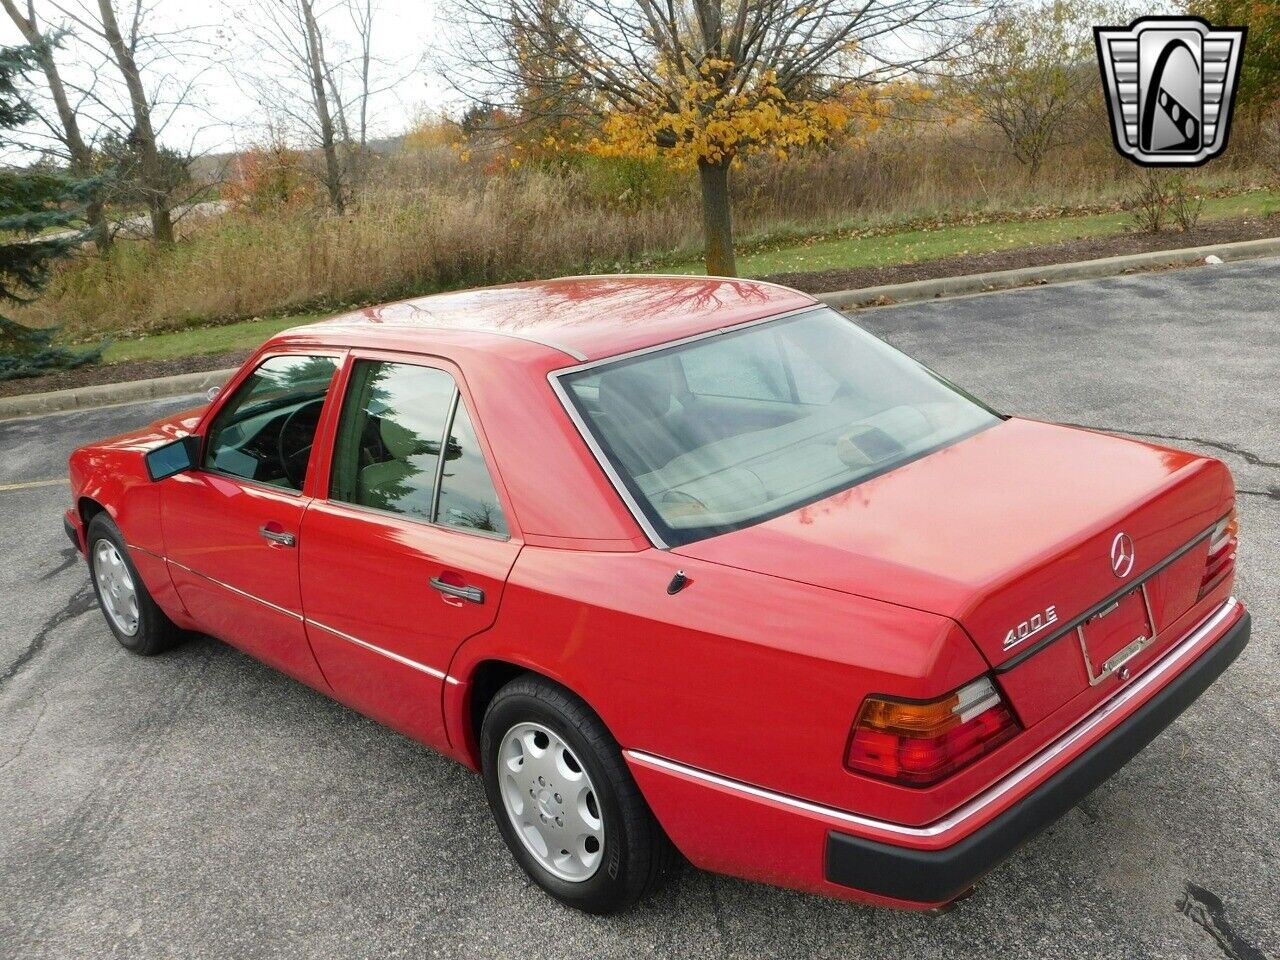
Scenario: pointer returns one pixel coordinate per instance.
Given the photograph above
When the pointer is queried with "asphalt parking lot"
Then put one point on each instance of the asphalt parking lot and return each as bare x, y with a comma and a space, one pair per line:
201, 805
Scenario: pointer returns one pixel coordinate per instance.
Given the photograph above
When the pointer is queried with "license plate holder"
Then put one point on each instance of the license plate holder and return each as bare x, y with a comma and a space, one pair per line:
1116, 634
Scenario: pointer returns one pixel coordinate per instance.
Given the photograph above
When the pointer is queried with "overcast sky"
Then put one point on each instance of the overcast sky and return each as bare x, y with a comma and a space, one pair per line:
214, 58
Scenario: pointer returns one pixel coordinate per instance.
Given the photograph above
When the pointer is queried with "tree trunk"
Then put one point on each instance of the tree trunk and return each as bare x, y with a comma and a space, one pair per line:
149, 155
315, 56
81, 157
717, 223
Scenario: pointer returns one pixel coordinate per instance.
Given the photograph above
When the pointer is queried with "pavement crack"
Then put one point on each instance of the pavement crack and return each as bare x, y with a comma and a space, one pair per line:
1205, 909
26, 740
1247, 455
1271, 493
80, 603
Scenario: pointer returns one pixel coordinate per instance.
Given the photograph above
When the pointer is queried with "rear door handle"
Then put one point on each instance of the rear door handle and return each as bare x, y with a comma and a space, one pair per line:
277, 536
473, 594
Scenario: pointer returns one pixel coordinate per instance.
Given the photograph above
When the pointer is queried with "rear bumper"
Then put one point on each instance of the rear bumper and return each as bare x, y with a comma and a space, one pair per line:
732, 827
942, 875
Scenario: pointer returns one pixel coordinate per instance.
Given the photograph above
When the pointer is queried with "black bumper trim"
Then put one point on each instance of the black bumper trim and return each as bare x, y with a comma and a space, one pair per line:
939, 876
70, 531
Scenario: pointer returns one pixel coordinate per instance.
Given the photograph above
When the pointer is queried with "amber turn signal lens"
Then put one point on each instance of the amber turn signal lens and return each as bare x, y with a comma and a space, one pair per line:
1221, 560
918, 744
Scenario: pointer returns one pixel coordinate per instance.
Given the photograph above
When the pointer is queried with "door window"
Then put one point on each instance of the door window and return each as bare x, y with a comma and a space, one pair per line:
265, 431
394, 423
467, 497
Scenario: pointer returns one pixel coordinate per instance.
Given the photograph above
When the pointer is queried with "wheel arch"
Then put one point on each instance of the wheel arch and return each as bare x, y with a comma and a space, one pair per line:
88, 508
479, 686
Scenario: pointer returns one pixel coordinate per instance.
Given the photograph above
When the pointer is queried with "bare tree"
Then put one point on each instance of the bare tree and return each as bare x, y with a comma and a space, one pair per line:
708, 81
1030, 73
67, 129
316, 66
362, 17
321, 91
122, 49
143, 133
299, 81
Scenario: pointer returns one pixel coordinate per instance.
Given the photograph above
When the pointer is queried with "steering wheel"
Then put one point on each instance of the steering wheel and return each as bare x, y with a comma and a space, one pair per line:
293, 444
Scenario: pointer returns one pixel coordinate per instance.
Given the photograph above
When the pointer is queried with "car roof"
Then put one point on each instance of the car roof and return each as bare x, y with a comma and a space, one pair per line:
584, 318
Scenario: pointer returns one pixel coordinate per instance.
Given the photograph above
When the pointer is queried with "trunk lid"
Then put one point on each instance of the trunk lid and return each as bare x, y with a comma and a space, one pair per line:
1008, 532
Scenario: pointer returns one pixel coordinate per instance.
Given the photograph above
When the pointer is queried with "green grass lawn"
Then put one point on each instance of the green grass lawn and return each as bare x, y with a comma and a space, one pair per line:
819, 253
915, 245
199, 340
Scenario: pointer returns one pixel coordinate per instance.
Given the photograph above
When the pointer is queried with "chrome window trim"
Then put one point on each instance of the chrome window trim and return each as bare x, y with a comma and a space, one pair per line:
420, 521
258, 484
1171, 662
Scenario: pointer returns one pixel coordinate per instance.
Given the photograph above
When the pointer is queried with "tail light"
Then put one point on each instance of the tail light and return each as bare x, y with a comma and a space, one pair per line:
921, 743
1222, 552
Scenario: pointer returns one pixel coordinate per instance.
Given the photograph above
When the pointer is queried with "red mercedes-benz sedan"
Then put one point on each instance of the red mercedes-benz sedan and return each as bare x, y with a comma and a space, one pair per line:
689, 565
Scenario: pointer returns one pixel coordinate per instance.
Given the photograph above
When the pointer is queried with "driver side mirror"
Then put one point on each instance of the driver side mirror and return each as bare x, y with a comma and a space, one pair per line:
172, 458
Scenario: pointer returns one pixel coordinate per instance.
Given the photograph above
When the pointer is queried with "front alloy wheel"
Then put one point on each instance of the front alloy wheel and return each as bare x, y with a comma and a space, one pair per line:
115, 587
135, 619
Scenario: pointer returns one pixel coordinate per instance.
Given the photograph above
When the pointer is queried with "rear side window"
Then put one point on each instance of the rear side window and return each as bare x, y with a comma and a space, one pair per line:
467, 498
405, 445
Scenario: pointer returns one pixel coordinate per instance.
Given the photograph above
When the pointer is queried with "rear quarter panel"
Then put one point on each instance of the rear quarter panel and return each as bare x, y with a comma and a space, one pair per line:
751, 677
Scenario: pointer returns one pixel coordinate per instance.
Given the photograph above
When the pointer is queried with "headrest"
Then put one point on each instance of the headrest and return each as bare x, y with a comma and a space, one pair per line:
642, 391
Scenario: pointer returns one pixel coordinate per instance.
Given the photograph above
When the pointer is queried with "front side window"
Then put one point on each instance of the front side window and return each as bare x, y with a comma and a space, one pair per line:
265, 431
396, 420
730, 430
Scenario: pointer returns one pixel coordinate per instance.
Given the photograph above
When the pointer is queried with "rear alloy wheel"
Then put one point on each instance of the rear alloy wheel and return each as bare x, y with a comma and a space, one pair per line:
551, 802
565, 802
139, 625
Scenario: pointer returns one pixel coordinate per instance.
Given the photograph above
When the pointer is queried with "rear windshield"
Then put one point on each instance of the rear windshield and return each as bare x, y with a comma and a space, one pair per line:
729, 430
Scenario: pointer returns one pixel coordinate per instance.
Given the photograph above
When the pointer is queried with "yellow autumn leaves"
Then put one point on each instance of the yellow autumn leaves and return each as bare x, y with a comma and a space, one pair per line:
714, 115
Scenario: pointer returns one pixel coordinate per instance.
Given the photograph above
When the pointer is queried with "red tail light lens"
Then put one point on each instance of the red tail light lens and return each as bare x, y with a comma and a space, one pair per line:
918, 744
1222, 552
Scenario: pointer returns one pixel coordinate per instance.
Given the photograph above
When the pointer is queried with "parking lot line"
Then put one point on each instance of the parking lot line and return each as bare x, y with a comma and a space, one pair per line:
31, 484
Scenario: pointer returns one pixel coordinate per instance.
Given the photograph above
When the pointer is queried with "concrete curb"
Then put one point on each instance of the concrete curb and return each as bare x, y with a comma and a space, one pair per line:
1050, 273
108, 394
131, 391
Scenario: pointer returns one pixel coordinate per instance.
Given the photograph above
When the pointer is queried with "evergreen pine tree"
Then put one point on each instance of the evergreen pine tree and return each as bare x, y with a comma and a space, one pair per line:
30, 203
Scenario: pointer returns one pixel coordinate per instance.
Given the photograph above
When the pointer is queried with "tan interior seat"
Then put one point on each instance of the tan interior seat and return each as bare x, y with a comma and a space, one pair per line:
406, 482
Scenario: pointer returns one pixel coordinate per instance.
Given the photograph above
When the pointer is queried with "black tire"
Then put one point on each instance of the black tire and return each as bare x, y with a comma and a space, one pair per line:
637, 856
155, 632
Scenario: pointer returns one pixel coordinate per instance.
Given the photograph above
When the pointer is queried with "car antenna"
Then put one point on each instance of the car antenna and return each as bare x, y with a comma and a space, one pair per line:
678, 583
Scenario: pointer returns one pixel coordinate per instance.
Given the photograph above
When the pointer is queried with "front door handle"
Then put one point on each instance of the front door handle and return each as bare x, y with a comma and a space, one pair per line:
473, 594
277, 536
